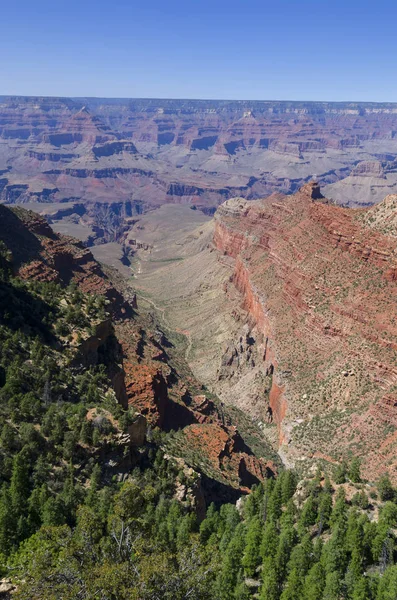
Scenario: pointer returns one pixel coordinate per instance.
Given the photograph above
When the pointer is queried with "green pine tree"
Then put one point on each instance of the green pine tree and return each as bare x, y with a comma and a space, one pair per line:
314, 583
332, 586
252, 558
385, 488
270, 589
355, 470
294, 586
341, 472
362, 589
231, 565
270, 540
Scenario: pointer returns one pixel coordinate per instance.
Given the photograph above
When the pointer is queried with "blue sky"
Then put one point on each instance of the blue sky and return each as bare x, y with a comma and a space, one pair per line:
292, 50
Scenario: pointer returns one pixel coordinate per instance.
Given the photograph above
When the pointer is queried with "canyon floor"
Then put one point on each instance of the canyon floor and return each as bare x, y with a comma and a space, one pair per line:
186, 284
283, 308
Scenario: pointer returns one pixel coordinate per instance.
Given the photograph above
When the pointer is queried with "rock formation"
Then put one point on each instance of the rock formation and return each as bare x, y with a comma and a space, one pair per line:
144, 153
137, 361
319, 282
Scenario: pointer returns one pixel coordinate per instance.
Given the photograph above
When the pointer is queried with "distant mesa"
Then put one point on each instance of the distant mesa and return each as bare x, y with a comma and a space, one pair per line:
96, 150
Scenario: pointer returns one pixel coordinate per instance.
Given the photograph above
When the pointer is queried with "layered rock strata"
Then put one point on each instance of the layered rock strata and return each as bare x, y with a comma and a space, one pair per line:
319, 281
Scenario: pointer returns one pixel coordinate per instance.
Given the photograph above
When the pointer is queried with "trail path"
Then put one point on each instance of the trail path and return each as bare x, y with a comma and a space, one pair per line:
159, 310
189, 345
185, 332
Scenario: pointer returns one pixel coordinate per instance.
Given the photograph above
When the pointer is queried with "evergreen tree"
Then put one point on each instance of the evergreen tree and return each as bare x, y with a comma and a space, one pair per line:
339, 513
318, 548
41, 471
328, 489
341, 473
173, 521
362, 590
95, 480
270, 589
287, 541
8, 438
19, 487
324, 511
36, 502
388, 514
268, 487
210, 524
314, 583
385, 488
70, 495
294, 586
355, 470
230, 519
308, 515
7, 521
231, 565
254, 502
275, 501
242, 592
383, 546
69, 444
289, 514
86, 432
252, 558
360, 499
332, 586
288, 485
184, 529
354, 532
302, 557
269, 542
53, 512
335, 550
96, 437
387, 589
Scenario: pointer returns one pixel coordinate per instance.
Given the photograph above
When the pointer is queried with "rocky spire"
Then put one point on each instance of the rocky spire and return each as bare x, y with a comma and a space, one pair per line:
312, 189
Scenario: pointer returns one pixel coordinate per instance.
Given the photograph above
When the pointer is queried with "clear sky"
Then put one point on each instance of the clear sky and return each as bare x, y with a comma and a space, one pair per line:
259, 49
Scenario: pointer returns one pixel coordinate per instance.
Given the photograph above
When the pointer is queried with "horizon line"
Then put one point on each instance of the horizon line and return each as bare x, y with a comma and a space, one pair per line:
171, 99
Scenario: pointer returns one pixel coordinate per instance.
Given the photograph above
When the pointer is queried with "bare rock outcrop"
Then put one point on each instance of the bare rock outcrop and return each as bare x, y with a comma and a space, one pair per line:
238, 355
137, 431
319, 284
369, 168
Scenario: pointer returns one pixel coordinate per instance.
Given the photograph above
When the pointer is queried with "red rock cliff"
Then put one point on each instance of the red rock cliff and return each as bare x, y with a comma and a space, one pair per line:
320, 283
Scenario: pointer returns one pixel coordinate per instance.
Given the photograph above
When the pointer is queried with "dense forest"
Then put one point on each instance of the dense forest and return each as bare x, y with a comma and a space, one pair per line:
68, 529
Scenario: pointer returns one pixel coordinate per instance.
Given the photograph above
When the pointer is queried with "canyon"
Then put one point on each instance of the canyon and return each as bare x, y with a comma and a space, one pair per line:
96, 163
287, 306
274, 291
146, 372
